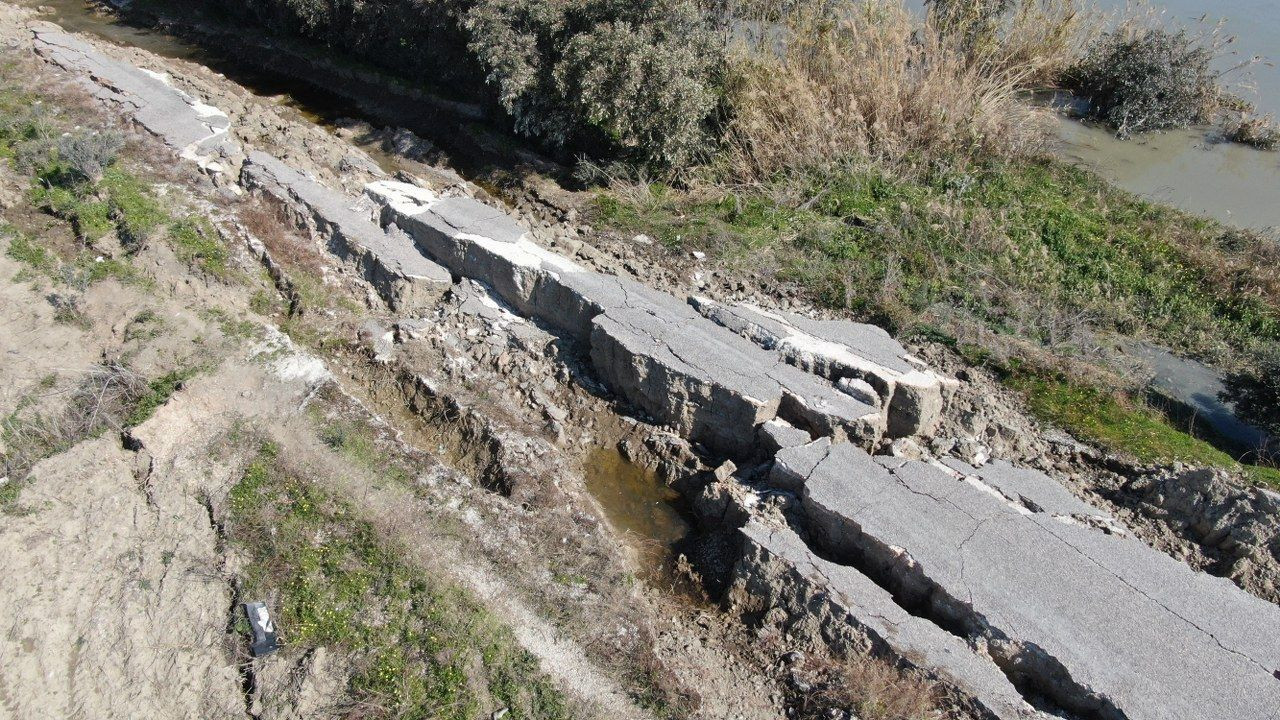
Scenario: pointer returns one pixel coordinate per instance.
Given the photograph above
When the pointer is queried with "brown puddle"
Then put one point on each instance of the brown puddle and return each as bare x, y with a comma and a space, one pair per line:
638, 505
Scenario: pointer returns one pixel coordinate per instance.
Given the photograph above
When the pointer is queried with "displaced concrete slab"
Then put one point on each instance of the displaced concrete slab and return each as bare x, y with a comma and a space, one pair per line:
1032, 489
388, 259
194, 130
653, 349
778, 434
1101, 624
779, 570
912, 396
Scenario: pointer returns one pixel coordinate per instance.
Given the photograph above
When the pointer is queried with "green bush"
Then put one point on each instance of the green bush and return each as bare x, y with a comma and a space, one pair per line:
1150, 79
610, 78
623, 79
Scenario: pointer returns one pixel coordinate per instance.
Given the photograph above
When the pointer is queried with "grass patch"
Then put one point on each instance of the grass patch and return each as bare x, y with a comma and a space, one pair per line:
109, 397
196, 242
419, 647
1037, 250
359, 442
24, 249
1130, 427
134, 208
157, 393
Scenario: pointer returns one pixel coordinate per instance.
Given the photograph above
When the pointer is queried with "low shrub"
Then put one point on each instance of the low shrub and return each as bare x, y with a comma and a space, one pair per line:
613, 77
88, 155
616, 78
1148, 78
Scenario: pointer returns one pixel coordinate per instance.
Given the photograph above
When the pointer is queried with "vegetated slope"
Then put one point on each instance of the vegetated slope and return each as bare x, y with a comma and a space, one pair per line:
915, 198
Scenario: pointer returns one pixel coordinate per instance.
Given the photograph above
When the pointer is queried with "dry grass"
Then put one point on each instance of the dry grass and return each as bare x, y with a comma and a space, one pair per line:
1260, 131
872, 689
102, 400
810, 86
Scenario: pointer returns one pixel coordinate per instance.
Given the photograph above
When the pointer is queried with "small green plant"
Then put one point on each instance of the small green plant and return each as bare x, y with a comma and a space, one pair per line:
157, 393
25, 249
133, 208
197, 243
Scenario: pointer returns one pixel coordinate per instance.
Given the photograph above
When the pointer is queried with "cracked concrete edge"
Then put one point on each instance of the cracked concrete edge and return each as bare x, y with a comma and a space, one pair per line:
777, 569
195, 131
1099, 622
404, 278
652, 348
913, 397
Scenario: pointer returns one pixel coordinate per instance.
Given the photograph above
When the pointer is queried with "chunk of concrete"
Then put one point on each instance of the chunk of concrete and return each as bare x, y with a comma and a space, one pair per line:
777, 569
193, 130
913, 397
1101, 624
652, 348
389, 259
778, 434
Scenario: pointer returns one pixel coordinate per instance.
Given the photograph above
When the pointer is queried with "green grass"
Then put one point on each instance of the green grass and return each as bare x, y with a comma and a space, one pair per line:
133, 206
1129, 427
26, 250
1036, 253
358, 442
158, 393
1022, 248
419, 647
196, 242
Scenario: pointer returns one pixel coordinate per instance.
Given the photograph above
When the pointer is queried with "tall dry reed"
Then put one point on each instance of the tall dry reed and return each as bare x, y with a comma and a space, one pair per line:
814, 84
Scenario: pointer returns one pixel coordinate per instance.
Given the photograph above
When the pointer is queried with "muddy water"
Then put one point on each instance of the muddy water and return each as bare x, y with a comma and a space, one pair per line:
1188, 169
1192, 169
637, 504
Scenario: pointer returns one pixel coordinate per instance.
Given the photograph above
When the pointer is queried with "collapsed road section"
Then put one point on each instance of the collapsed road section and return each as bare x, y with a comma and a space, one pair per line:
1078, 615
992, 579
658, 352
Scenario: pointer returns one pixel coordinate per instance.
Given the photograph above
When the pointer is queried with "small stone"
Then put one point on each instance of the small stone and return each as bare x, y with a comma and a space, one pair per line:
725, 471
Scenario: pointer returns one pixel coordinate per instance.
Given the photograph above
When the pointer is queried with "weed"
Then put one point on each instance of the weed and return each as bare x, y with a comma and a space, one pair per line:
419, 647
101, 401
1259, 131
88, 155
134, 209
358, 442
68, 310
157, 393
818, 84
25, 249
197, 243
263, 302
146, 325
